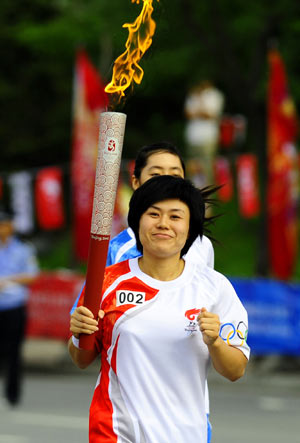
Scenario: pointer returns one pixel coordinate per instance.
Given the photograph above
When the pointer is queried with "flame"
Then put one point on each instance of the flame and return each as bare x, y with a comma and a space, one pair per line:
126, 67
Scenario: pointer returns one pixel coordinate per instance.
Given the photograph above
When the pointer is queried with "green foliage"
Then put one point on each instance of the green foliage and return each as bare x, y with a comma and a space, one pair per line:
224, 41
237, 250
58, 252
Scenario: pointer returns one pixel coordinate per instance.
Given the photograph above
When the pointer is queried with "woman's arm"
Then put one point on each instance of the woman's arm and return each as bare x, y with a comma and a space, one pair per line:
227, 360
81, 357
82, 322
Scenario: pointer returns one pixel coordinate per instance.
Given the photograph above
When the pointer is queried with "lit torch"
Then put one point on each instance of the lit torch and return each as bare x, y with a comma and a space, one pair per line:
111, 135
126, 66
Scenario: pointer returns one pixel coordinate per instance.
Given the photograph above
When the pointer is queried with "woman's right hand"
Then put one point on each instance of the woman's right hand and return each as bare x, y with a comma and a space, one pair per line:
83, 322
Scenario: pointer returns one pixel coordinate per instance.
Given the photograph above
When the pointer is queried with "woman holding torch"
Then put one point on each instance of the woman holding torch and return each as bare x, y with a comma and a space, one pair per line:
160, 158
162, 320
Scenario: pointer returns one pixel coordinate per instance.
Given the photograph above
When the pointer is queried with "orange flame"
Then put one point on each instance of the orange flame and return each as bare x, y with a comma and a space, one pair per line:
126, 67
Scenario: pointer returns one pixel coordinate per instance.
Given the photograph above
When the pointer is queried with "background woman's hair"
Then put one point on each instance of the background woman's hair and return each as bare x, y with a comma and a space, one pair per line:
146, 151
167, 187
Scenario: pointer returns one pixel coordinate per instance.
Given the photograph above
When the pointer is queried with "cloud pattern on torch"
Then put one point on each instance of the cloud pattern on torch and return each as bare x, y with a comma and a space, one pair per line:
112, 128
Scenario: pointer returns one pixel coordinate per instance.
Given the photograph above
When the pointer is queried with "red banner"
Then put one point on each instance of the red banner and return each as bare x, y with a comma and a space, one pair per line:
49, 198
89, 101
227, 132
223, 177
282, 172
51, 298
247, 185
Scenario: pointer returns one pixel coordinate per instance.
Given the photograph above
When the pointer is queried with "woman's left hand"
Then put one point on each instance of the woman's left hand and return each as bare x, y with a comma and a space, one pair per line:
209, 325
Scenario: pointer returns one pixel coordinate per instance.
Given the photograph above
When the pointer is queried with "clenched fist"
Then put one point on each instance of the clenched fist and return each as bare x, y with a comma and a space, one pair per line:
209, 325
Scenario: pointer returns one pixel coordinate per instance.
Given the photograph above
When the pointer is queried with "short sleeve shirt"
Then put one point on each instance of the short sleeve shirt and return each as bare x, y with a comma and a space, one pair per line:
154, 360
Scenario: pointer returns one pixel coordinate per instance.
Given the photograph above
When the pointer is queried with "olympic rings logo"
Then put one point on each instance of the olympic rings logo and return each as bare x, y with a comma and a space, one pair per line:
228, 331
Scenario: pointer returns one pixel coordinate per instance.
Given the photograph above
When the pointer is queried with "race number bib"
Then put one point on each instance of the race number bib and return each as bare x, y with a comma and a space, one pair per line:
130, 298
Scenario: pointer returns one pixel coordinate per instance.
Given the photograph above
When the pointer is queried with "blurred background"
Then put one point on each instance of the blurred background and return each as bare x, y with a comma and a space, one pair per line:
221, 81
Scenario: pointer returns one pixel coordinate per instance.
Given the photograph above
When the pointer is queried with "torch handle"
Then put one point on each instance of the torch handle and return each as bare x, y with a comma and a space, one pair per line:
94, 281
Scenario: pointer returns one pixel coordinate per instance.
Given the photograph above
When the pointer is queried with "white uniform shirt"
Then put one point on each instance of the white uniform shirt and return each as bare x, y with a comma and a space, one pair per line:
154, 360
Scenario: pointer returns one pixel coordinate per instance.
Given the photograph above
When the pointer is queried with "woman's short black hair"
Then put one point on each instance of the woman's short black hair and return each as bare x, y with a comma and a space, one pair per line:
146, 151
165, 187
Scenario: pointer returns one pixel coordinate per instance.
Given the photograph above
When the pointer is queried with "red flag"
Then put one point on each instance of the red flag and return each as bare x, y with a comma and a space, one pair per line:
89, 101
226, 132
247, 185
49, 198
282, 191
223, 177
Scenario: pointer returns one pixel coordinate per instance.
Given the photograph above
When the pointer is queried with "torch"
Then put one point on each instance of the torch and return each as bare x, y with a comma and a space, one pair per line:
112, 125
111, 136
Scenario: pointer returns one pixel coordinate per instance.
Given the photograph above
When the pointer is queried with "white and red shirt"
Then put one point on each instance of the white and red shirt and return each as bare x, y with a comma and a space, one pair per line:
151, 388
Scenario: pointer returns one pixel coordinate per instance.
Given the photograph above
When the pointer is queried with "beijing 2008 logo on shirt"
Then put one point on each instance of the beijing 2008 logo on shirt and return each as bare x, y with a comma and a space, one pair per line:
191, 315
111, 148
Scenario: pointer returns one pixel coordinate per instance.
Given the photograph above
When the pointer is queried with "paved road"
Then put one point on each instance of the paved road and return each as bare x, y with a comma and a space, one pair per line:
261, 408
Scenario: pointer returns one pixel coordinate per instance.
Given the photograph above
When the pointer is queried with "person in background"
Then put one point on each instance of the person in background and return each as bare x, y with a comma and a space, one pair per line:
18, 268
161, 323
203, 108
161, 158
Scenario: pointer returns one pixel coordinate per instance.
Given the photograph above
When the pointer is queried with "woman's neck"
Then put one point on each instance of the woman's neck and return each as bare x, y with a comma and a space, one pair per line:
164, 269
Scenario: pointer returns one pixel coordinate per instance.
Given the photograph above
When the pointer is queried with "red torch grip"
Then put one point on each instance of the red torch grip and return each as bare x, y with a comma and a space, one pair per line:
94, 282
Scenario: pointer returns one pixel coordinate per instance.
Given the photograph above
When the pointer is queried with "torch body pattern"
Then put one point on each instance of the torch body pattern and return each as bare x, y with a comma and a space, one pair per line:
111, 136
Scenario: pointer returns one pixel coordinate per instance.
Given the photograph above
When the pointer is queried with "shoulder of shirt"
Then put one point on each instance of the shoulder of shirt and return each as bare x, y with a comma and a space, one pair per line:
203, 268
118, 268
202, 242
122, 237
213, 280
204, 271
113, 272
206, 241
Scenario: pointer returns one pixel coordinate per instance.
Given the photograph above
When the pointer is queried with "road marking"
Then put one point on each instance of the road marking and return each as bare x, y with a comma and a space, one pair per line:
50, 420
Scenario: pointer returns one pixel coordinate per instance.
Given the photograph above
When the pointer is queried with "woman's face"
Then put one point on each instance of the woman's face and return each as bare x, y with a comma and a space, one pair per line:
164, 228
159, 163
